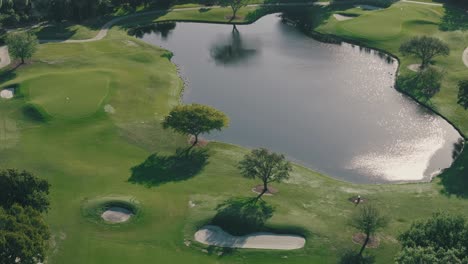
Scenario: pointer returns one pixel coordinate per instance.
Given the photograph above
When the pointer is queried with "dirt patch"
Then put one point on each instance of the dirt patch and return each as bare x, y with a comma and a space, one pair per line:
357, 200
359, 239
116, 215
201, 141
259, 189
215, 236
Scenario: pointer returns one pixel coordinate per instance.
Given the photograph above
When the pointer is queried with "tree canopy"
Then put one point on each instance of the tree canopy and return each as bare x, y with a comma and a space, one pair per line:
266, 166
234, 4
23, 236
195, 119
443, 238
24, 189
463, 93
21, 45
425, 48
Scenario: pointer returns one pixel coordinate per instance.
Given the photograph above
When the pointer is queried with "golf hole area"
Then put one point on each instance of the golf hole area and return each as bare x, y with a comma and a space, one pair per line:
111, 210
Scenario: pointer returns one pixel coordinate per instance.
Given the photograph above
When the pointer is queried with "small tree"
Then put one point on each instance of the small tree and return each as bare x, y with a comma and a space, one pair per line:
425, 48
21, 45
368, 220
463, 93
268, 167
235, 5
23, 188
195, 119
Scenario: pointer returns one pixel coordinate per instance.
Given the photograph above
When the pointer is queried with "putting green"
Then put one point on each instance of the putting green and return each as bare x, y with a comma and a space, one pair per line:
69, 95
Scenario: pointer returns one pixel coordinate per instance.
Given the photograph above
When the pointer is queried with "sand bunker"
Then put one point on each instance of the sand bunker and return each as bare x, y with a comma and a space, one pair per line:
109, 109
342, 17
368, 7
116, 215
415, 67
215, 236
7, 93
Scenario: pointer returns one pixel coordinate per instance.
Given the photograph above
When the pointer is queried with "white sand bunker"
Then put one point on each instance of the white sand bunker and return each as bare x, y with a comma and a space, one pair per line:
109, 109
465, 57
415, 67
7, 93
368, 7
215, 236
117, 215
342, 17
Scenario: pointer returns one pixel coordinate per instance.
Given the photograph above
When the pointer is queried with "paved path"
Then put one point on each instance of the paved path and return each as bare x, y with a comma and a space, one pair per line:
5, 58
465, 57
422, 3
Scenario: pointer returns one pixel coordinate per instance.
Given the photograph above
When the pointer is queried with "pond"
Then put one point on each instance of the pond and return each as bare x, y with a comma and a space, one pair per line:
332, 108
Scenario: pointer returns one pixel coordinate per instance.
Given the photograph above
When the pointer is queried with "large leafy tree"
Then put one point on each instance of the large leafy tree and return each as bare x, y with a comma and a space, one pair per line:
443, 238
368, 220
425, 48
195, 119
234, 4
23, 236
23, 188
463, 93
266, 166
21, 45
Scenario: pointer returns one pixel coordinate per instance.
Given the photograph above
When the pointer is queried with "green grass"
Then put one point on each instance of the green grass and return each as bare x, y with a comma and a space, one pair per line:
69, 95
88, 158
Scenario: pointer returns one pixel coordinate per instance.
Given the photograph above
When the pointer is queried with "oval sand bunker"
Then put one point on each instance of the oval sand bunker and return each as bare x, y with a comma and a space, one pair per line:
7, 93
116, 215
215, 236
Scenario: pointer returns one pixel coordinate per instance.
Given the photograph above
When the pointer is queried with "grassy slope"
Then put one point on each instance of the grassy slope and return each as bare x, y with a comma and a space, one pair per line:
89, 157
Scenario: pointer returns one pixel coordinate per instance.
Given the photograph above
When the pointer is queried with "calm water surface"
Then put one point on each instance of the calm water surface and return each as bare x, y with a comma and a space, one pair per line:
332, 108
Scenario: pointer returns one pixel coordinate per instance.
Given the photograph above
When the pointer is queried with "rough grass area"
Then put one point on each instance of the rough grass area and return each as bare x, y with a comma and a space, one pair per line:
92, 156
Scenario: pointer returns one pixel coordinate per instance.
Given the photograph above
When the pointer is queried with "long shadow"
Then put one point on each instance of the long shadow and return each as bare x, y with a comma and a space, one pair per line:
9, 73
454, 180
241, 216
421, 85
158, 169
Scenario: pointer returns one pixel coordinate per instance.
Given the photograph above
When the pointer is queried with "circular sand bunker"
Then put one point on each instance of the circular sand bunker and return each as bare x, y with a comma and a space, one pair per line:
111, 210
7, 93
116, 215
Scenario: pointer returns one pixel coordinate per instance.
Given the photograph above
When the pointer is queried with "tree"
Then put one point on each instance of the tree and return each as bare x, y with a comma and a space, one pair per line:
439, 239
267, 166
23, 236
235, 5
24, 189
195, 119
368, 220
425, 48
463, 93
21, 45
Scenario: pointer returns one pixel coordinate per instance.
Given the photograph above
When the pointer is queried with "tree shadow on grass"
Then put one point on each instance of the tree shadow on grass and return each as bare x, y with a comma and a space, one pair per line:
158, 169
454, 180
241, 216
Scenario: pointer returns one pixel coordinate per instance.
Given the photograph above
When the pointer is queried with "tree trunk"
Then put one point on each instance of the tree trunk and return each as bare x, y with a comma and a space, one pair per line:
22, 60
234, 12
364, 245
265, 189
193, 145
